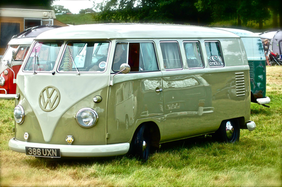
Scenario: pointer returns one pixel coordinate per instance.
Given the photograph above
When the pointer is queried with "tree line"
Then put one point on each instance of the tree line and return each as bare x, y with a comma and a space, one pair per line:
199, 12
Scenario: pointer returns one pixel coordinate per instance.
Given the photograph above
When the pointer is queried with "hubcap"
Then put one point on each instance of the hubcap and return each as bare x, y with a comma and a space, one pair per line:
144, 146
229, 129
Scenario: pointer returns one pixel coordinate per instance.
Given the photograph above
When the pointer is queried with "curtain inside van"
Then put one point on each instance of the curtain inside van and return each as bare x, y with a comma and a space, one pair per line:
171, 55
148, 57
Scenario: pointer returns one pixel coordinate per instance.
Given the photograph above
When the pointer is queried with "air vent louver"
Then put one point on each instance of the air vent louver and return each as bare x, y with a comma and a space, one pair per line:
240, 84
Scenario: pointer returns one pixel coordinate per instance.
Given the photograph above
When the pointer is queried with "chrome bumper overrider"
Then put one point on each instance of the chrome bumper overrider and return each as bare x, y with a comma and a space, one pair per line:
251, 125
75, 150
263, 101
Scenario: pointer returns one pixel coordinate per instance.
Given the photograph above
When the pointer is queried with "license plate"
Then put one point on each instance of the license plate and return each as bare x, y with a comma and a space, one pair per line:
43, 152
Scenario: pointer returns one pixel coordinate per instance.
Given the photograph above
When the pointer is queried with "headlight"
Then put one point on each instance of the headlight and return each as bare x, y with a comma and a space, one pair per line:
19, 114
2, 81
86, 117
5, 72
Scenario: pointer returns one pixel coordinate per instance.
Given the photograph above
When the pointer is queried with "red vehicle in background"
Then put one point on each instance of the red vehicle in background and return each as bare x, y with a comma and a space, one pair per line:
13, 57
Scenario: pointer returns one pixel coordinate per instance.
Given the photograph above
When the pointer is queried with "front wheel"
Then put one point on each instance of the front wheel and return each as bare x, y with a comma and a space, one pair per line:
141, 144
229, 131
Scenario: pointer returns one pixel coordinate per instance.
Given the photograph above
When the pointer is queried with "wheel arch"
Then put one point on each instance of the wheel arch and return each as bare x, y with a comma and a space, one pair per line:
153, 131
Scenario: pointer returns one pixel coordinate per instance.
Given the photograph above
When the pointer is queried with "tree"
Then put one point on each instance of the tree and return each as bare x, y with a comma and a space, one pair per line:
60, 9
244, 10
275, 7
190, 11
26, 4
86, 11
174, 11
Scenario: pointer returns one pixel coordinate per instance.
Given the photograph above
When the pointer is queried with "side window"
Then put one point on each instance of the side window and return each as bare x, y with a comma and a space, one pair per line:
171, 55
193, 54
141, 57
120, 56
214, 54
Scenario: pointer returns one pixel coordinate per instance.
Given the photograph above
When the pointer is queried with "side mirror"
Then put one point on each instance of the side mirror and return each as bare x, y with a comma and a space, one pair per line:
124, 68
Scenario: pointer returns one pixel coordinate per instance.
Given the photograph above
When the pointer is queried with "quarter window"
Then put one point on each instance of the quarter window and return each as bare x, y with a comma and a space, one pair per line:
171, 55
214, 54
193, 54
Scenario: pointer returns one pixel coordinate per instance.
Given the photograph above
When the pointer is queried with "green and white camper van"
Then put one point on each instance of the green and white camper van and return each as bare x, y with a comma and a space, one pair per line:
111, 89
257, 62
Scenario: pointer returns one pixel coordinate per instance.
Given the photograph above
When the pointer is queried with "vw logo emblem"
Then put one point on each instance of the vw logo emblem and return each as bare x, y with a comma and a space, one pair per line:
49, 98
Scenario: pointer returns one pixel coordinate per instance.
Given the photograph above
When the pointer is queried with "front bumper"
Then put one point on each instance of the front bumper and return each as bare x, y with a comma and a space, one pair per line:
75, 150
8, 96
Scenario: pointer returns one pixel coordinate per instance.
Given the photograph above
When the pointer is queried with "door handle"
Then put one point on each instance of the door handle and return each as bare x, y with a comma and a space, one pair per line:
158, 90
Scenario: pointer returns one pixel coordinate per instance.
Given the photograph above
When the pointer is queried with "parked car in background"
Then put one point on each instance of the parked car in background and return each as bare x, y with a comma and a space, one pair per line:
257, 62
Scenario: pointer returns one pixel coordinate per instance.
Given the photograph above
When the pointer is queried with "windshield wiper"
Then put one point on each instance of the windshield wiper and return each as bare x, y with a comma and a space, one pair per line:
78, 73
35, 62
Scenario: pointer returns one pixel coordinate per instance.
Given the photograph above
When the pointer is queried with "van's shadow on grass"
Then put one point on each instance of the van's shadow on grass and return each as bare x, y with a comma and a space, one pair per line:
261, 111
172, 148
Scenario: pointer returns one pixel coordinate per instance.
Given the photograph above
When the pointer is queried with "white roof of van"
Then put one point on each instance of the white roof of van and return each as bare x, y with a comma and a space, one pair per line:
242, 33
133, 31
20, 41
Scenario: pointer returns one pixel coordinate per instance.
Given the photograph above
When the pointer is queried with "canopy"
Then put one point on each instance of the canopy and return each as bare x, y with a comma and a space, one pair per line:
277, 43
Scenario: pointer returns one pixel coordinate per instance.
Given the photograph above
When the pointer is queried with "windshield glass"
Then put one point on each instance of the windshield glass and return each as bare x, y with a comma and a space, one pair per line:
43, 56
84, 56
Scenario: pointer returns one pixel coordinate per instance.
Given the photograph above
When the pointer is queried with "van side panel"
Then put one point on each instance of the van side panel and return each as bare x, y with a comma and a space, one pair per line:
258, 78
201, 104
200, 107
132, 100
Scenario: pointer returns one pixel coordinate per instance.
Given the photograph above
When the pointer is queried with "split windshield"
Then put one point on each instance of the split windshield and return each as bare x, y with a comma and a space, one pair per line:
84, 56
43, 57
76, 57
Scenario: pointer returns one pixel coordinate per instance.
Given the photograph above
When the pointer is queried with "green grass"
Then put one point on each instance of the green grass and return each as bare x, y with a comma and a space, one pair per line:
254, 161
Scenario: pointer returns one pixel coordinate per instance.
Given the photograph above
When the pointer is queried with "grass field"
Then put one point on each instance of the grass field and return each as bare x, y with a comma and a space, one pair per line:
254, 161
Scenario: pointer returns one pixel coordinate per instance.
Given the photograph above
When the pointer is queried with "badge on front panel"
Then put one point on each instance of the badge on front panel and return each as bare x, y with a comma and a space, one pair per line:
49, 98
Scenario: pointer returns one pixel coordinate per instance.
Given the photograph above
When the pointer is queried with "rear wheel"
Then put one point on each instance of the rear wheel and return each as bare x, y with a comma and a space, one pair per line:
141, 144
229, 131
